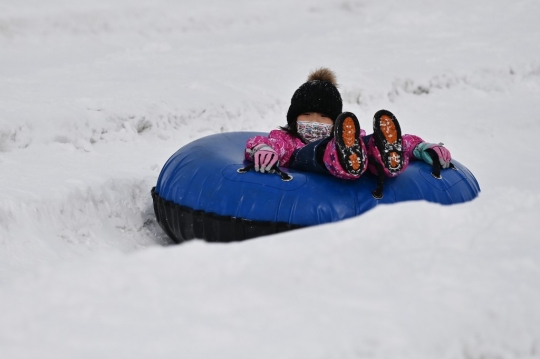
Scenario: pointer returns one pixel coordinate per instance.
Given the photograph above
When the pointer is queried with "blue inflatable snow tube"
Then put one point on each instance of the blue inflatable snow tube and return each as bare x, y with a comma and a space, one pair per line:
201, 194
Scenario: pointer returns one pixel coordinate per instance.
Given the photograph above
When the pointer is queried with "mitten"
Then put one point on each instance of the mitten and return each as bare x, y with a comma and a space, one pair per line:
264, 157
422, 152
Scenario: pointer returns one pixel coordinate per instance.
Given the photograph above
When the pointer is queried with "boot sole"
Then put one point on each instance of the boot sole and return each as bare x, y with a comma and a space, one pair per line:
387, 135
347, 134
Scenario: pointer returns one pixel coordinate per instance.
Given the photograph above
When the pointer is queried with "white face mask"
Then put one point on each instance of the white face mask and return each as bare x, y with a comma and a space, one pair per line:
312, 131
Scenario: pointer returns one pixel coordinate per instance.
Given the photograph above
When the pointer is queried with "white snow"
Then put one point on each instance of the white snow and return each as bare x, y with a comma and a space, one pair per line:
96, 95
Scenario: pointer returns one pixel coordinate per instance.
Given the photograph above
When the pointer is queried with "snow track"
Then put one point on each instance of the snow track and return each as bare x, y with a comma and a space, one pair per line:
115, 216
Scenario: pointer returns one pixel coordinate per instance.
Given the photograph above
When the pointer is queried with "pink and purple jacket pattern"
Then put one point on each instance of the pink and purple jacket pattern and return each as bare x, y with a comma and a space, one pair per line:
285, 144
409, 143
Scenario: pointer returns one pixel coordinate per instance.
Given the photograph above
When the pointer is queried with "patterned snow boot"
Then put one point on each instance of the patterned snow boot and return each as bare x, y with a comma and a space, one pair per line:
349, 146
385, 149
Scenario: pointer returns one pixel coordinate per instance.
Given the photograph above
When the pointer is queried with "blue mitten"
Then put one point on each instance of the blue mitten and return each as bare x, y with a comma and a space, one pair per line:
422, 151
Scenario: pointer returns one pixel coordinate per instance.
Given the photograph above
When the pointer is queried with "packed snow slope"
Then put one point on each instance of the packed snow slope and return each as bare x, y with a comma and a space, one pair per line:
96, 95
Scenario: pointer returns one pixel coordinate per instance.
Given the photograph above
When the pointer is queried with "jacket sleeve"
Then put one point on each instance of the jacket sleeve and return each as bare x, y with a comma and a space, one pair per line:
283, 143
409, 144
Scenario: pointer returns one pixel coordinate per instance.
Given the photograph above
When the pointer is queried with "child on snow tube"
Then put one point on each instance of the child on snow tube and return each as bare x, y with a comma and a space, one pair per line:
320, 138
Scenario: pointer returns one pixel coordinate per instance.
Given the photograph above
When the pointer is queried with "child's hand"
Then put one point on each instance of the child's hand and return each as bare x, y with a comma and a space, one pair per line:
265, 158
422, 152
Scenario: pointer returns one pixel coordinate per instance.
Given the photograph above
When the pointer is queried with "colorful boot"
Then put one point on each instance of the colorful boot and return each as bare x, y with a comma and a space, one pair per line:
349, 146
386, 145
385, 149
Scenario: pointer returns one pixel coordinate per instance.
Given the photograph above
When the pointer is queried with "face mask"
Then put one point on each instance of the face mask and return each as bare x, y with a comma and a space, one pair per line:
313, 131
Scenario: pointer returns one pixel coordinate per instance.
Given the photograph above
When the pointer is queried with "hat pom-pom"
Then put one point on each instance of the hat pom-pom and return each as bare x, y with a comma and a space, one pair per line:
323, 74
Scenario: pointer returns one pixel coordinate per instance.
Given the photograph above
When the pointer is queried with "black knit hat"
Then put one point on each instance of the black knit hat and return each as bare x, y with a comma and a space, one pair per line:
318, 94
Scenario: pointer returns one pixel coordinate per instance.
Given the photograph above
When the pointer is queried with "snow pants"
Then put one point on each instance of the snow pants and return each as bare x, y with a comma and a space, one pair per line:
310, 157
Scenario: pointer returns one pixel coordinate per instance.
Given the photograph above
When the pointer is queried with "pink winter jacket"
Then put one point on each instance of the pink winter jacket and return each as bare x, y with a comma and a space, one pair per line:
285, 144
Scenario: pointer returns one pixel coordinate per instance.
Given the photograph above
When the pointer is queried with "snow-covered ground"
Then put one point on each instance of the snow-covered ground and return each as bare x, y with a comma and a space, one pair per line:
96, 95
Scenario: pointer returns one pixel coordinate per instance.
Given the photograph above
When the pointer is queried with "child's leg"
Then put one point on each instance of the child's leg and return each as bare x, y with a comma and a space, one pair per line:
310, 157
385, 148
387, 155
345, 155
